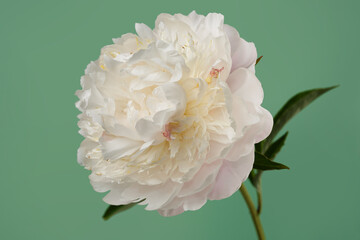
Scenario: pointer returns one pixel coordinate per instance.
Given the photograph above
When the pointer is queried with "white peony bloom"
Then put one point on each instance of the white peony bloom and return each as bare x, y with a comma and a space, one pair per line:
171, 115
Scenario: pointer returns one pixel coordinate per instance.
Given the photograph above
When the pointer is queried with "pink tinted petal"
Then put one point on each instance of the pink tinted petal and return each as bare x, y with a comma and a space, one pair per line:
196, 201
171, 212
256, 129
155, 196
242, 147
175, 203
231, 176
244, 83
265, 125
244, 115
160, 195
243, 53
216, 150
202, 179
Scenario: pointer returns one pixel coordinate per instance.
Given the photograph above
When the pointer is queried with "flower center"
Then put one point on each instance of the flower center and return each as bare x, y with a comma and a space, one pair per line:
168, 130
214, 73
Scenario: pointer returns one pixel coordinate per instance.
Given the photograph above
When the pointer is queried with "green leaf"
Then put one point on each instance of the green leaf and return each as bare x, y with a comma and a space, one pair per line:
275, 148
264, 163
113, 210
290, 109
258, 147
258, 60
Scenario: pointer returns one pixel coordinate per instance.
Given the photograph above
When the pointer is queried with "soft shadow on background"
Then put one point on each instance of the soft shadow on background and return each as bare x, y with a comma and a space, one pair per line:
45, 47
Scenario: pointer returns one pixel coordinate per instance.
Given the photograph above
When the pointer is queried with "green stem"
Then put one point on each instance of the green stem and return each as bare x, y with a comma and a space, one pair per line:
259, 198
257, 180
255, 217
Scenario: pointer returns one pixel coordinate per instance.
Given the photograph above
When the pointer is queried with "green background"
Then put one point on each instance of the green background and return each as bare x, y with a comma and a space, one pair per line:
45, 47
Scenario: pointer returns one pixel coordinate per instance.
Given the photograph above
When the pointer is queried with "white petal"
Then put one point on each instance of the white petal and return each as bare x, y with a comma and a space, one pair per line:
148, 129
90, 129
100, 184
113, 127
214, 22
116, 196
117, 147
85, 147
144, 31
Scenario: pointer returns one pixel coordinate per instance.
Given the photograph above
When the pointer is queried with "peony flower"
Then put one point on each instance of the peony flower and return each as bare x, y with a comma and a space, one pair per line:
170, 116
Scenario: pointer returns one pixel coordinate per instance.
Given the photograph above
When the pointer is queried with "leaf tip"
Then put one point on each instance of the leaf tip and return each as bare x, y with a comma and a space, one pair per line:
258, 60
333, 87
107, 214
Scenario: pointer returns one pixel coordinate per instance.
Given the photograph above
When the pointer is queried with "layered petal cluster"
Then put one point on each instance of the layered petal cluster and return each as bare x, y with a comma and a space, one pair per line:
170, 115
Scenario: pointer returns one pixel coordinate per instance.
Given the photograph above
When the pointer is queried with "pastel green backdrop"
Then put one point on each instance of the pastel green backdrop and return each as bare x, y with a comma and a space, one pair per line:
45, 47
